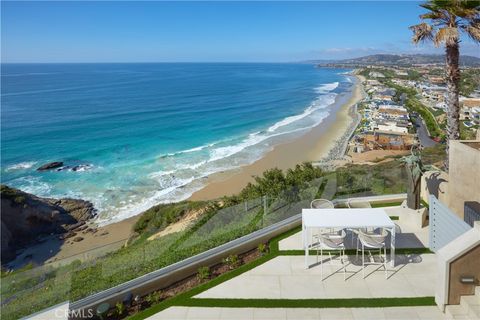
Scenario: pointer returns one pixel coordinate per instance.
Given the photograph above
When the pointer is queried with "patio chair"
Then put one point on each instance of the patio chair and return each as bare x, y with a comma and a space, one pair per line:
334, 243
358, 204
372, 242
355, 235
321, 204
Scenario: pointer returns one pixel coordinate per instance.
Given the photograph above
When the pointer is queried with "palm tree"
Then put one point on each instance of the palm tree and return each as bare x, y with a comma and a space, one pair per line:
446, 20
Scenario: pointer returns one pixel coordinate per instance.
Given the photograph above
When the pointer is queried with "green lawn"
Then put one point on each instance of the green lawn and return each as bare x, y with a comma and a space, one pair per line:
385, 204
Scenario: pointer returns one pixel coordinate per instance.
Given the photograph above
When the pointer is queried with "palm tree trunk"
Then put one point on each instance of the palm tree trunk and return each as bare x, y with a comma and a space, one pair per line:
453, 78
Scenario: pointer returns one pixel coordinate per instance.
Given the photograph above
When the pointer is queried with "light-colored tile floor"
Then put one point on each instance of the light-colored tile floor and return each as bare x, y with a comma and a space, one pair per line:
403, 313
285, 277
407, 236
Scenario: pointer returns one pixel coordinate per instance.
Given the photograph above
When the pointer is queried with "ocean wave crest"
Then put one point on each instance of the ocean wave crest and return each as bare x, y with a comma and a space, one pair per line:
325, 88
34, 185
200, 148
21, 166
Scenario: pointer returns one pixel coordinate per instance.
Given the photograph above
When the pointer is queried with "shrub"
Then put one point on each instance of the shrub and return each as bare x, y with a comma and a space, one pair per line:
232, 261
160, 216
262, 248
274, 182
119, 308
19, 199
203, 273
154, 297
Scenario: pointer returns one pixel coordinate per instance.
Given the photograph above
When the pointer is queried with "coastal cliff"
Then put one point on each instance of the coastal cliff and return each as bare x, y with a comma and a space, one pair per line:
25, 217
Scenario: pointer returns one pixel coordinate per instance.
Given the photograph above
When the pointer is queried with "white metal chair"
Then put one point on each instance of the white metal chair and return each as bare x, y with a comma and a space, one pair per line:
358, 204
372, 242
321, 204
355, 234
334, 243
354, 203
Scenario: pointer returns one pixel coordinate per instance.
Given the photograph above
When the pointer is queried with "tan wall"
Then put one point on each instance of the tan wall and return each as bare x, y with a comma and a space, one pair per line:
466, 265
464, 174
435, 183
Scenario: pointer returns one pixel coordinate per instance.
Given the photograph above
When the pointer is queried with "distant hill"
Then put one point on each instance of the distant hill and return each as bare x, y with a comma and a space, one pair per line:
400, 60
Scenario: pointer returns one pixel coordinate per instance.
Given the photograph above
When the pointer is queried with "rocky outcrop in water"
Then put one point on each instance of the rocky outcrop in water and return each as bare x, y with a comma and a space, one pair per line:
25, 217
50, 166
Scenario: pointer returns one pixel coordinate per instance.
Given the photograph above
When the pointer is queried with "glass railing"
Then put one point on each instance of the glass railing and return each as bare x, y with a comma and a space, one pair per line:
27, 291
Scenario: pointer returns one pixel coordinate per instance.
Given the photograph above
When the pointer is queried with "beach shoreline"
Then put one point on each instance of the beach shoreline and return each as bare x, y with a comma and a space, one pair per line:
314, 146
321, 142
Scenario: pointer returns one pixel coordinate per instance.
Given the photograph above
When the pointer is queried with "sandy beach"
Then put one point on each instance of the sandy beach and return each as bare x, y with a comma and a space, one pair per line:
312, 146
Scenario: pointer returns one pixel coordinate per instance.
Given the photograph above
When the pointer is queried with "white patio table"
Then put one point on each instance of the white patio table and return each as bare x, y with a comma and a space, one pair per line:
346, 218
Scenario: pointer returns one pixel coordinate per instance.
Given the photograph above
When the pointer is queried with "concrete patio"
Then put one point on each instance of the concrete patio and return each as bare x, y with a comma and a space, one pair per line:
410, 313
285, 277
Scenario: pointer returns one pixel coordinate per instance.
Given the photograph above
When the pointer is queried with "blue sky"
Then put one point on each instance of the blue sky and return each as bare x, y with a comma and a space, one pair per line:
207, 31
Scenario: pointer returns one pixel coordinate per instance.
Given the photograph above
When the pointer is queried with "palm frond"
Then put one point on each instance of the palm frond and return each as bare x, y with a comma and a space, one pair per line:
465, 13
436, 15
471, 4
422, 32
430, 5
441, 4
473, 32
447, 35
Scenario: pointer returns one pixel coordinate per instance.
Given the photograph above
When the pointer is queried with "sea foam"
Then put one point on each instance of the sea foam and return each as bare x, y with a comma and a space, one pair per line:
324, 88
180, 182
21, 166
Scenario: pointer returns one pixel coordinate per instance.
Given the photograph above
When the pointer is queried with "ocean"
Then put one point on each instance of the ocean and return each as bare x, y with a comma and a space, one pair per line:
135, 135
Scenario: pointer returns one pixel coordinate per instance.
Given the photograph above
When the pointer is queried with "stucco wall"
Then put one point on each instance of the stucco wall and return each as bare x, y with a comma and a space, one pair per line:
466, 265
464, 174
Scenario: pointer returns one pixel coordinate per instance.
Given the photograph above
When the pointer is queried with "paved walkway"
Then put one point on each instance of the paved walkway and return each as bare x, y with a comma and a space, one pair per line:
285, 277
404, 313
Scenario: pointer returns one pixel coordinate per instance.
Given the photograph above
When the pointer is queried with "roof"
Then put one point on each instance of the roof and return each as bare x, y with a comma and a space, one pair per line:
392, 133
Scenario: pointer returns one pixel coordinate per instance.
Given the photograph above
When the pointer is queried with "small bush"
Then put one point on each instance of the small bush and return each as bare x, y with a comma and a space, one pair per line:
19, 199
232, 261
120, 308
203, 273
262, 248
154, 297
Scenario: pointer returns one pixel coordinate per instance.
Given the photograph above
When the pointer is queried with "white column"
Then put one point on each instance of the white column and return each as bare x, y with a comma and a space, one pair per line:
305, 243
392, 248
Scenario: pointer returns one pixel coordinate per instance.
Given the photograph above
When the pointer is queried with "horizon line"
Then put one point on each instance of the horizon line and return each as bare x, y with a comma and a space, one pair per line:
85, 62
312, 60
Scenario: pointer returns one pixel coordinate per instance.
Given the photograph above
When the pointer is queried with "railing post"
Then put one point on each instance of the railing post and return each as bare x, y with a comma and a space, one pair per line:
264, 199
264, 205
